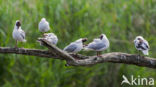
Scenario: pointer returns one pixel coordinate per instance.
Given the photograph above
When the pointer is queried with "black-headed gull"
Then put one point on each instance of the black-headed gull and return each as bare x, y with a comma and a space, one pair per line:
98, 45
18, 34
51, 37
43, 25
76, 46
141, 44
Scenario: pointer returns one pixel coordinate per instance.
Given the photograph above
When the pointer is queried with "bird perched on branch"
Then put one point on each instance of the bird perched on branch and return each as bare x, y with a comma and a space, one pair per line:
98, 45
18, 34
141, 44
43, 25
51, 37
76, 46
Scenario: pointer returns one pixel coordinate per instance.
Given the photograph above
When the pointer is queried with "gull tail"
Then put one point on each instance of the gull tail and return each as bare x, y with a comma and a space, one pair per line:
24, 40
145, 52
86, 48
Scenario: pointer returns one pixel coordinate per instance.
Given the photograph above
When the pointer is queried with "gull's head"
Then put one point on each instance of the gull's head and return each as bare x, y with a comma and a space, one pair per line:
48, 34
81, 40
102, 36
45, 34
43, 19
84, 40
139, 38
18, 23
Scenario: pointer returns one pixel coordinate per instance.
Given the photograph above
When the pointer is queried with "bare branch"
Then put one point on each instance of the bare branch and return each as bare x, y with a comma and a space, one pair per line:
81, 60
117, 57
24, 51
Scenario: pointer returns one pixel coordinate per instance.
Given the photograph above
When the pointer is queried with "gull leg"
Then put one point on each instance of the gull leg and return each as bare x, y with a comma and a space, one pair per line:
139, 55
97, 54
16, 44
100, 54
76, 54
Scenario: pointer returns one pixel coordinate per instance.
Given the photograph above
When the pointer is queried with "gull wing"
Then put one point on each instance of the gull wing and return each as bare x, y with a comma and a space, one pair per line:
22, 33
146, 44
96, 46
71, 47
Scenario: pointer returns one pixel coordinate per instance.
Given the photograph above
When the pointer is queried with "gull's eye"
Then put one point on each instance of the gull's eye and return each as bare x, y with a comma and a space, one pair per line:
139, 38
18, 24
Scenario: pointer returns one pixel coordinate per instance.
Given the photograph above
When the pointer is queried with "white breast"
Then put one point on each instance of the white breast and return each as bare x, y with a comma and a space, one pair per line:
44, 26
17, 35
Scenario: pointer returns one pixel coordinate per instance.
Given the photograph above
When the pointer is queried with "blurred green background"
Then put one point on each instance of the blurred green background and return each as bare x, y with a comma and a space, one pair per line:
120, 20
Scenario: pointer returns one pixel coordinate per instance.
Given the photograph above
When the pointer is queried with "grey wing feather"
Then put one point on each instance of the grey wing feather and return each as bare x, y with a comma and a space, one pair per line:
147, 45
70, 48
96, 46
22, 34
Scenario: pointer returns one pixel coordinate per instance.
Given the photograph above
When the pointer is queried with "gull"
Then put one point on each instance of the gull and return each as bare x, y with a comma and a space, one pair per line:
141, 44
76, 46
51, 37
43, 25
98, 45
18, 34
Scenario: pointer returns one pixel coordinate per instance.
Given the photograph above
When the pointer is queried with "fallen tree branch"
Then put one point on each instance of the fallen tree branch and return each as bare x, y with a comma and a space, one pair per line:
81, 60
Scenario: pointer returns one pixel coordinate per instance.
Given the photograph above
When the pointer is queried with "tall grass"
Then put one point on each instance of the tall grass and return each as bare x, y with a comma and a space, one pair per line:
120, 20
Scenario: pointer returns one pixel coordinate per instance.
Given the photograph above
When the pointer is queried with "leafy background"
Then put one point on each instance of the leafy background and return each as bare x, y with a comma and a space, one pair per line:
120, 20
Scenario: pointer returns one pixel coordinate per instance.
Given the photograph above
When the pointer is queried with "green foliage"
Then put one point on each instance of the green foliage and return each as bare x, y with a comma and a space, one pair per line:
120, 20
